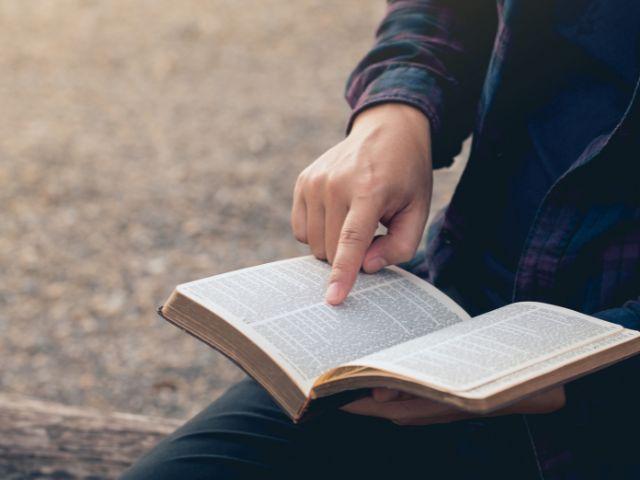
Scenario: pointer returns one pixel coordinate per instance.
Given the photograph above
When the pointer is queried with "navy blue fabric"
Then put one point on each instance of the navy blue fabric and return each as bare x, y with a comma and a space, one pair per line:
598, 97
244, 435
541, 85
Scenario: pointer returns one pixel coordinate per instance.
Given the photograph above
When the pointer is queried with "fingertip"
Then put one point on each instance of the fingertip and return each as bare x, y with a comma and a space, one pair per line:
334, 294
374, 265
319, 254
375, 258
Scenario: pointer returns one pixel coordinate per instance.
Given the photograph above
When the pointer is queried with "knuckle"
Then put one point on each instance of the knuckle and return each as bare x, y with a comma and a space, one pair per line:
368, 185
333, 184
363, 197
351, 236
340, 267
330, 255
405, 251
375, 199
297, 234
296, 228
300, 181
369, 180
316, 182
318, 252
319, 255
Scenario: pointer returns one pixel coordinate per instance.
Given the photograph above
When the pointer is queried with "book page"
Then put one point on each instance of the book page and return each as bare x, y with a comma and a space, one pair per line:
281, 307
553, 363
490, 346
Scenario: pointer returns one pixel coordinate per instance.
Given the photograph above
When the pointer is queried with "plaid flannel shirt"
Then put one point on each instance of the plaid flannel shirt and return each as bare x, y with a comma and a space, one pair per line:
470, 66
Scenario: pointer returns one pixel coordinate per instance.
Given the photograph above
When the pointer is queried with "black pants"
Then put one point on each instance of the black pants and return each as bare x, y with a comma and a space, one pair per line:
244, 434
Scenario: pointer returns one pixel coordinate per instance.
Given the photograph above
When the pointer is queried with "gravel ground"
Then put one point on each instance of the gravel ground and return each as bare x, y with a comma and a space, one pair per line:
144, 143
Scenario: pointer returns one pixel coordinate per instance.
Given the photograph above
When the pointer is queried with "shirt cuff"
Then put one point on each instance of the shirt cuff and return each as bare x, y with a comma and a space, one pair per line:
409, 85
627, 316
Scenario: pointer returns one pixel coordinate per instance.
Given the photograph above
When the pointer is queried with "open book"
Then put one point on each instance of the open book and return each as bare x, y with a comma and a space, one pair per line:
394, 330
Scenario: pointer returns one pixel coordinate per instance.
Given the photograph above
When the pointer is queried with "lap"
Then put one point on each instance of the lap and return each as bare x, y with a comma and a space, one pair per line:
244, 434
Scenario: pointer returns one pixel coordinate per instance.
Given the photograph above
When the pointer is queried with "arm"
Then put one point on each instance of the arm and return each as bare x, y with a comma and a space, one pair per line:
421, 81
432, 55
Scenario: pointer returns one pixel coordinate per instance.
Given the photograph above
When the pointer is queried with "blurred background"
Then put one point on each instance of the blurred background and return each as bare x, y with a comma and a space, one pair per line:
145, 143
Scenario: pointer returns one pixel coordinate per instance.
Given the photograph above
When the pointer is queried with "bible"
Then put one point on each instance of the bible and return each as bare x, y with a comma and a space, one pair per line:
394, 330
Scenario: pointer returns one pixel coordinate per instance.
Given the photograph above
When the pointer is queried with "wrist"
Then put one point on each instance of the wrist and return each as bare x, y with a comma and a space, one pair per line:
393, 114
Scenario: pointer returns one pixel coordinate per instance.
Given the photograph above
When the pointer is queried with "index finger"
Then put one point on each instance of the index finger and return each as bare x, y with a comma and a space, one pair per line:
356, 235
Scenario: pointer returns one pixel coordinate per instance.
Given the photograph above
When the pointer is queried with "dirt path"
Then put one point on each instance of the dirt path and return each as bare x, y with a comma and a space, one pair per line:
143, 144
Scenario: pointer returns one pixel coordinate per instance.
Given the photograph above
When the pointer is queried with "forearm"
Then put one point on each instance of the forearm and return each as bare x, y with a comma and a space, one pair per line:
432, 55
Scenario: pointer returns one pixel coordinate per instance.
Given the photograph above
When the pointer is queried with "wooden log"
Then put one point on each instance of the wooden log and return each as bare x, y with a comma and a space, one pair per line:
42, 440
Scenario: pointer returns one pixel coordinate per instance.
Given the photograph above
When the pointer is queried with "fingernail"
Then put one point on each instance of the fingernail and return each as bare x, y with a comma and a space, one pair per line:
376, 264
333, 293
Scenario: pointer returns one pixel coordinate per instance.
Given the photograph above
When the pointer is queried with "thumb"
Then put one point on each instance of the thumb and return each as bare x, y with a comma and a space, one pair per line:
400, 242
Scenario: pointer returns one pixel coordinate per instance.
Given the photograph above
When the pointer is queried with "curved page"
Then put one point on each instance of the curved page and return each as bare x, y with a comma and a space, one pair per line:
280, 307
472, 353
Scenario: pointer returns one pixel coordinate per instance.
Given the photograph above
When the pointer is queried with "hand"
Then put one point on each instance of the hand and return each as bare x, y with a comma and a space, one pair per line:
380, 173
405, 409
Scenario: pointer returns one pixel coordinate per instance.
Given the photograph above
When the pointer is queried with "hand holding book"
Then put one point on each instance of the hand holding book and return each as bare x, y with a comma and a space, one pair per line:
406, 409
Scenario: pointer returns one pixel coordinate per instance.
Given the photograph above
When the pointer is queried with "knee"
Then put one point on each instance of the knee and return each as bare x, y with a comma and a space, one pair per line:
240, 435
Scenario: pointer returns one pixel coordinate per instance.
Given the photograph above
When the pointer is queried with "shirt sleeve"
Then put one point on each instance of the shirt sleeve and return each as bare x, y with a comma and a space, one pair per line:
628, 315
591, 396
433, 55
